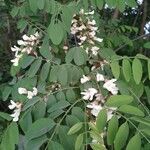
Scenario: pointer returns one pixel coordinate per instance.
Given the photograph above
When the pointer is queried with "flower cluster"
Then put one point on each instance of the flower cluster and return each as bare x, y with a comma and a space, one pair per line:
95, 97
17, 109
30, 94
85, 30
25, 46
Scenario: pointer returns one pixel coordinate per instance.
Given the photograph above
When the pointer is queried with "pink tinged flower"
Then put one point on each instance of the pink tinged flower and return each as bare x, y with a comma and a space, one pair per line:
22, 90
99, 77
111, 86
84, 79
89, 94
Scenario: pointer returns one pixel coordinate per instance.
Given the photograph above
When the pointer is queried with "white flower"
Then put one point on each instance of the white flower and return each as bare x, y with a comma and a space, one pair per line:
99, 97
93, 22
92, 34
98, 39
89, 94
26, 38
94, 50
111, 86
22, 90
35, 91
95, 109
15, 61
84, 79
30, 95
99, 77
83, 38
89, 13
17, 109
12, 105
21, 42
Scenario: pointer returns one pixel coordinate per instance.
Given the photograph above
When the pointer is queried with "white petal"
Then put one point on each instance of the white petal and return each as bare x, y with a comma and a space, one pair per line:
12, 105
35, 91
30, 95
22, 90
99, 77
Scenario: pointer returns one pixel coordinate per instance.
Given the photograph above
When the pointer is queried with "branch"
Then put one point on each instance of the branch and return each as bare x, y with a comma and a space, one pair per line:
137, 38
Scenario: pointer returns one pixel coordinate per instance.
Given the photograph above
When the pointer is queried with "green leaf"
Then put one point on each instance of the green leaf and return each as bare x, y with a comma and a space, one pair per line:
31, 103
14, 70
70, 95
121, 5
107, 53
63, 75
111, 3
26, 120
39, 127
55, 146
33, 5
119, 100
10, 137
36, 143
147, 45
45, 71
40, 4
59, 105
14, 11
121, 136
34, 67
131, 110
101, 120
134, 143
70, 55
6, 92
115, 69
74, 129
79, 56
100, 4
5, 116
56, 33
144, 121
79, 142
39, 110
137, 70
148, 63
45, 50
53, 74
131, 3
26, 61
112, 130
127, 71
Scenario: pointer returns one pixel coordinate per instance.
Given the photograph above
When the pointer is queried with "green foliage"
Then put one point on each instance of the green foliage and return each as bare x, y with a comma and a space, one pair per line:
63, 114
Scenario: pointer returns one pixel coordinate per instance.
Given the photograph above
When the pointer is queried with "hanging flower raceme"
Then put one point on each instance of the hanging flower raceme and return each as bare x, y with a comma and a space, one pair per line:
30, 94
85, 31
16, 106
25, 46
